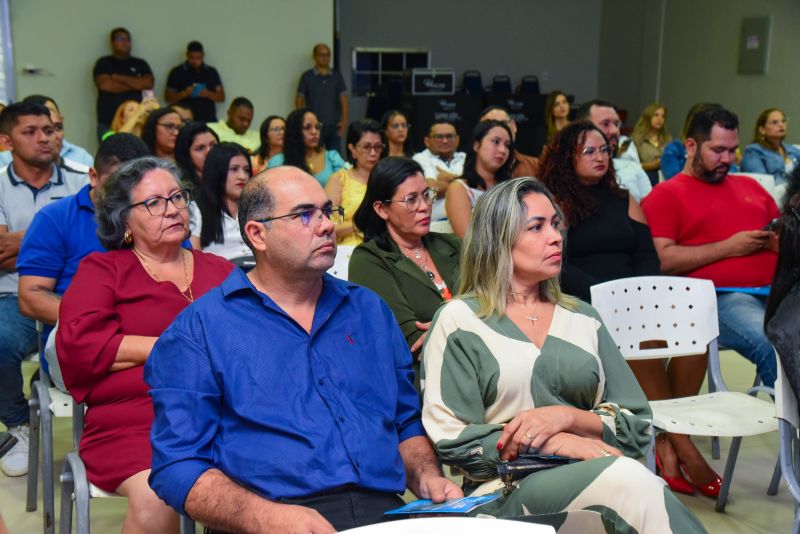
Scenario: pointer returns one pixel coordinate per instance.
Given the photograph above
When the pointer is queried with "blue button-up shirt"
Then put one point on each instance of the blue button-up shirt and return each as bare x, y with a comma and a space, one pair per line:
238, 385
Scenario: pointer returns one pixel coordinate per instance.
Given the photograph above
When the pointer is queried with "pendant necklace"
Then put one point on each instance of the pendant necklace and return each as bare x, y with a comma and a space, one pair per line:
532, 317
151, 272
418, 256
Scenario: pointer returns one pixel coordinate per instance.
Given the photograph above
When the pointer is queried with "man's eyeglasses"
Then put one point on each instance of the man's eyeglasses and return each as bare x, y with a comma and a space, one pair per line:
309, 127
157, 206
367, 148
413, 200
400, 126
445, 137
314, 215
589, 151
171, 127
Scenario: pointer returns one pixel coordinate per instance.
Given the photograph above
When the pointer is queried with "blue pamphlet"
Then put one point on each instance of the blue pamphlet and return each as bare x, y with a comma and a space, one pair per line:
453, 506
760, 290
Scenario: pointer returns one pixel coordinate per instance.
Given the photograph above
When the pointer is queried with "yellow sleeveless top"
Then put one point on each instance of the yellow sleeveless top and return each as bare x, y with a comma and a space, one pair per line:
353, 193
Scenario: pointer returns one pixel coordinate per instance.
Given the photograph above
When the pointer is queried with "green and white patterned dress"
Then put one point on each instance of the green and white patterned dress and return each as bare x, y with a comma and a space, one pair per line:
480, 372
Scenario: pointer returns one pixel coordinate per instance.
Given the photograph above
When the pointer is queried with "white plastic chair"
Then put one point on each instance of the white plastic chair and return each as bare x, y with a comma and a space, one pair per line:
342, 262
788, 428
462, 525
683, 313
767, 181
75, 487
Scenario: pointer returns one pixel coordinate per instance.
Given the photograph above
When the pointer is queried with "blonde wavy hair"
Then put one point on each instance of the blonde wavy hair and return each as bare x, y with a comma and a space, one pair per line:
486, 265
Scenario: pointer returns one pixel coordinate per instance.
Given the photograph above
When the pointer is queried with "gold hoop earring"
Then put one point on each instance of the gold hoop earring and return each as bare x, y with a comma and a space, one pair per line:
127, 238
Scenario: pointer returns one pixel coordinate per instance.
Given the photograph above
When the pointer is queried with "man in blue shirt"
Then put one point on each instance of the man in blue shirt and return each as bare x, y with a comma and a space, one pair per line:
65, 232
284, 398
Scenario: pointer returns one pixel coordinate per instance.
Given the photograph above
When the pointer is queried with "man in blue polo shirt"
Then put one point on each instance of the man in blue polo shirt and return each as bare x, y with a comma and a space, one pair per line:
29, 183
284, 399
65, 232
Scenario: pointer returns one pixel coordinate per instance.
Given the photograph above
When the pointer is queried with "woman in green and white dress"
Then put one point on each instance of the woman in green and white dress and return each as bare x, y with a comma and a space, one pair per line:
513, 366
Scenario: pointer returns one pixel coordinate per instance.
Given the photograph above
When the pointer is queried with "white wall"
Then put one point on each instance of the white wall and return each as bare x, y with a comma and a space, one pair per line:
259, 47
700, 61
515, 37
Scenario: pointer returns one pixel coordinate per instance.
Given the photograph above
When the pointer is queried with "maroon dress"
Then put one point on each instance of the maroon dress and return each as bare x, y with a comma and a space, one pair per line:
112, 296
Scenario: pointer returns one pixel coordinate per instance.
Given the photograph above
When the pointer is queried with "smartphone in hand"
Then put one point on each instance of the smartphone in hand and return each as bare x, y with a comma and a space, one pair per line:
198, 87
771, 226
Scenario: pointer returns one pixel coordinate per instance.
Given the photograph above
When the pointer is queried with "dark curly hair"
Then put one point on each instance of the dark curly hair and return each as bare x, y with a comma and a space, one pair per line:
294, 148
557, 171
470, 173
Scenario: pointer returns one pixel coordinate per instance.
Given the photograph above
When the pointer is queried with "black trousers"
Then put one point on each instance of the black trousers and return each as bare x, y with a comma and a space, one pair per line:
347, 507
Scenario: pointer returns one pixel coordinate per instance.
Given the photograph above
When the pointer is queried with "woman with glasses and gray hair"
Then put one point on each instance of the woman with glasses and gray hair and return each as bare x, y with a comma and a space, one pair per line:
514, 367
118, 304
412, 268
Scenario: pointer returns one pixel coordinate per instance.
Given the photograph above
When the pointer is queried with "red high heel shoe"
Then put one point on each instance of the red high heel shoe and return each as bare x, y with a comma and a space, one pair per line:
677, 484
711, 489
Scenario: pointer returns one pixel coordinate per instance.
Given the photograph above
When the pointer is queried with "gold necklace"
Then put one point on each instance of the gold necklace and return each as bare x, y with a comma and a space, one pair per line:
151, 272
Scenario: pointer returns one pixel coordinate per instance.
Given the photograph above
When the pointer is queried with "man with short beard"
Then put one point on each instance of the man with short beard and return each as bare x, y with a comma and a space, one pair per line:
627, 167
709, 224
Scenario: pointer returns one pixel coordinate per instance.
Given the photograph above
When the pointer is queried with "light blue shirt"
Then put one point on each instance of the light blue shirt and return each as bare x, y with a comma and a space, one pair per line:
757, 158
19, 202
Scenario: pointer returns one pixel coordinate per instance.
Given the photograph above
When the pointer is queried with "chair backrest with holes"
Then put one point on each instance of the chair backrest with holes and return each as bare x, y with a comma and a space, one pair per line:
342, 261
680, 311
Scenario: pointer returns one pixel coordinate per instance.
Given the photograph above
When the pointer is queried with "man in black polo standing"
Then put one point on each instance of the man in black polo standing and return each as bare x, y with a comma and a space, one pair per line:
119, 77
323, 91
195, 85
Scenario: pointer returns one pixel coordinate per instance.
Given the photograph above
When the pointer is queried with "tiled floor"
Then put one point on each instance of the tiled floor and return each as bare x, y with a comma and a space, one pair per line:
750, 510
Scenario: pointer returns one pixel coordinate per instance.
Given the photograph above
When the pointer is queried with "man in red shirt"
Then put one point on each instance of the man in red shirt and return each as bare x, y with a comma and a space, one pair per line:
709, 224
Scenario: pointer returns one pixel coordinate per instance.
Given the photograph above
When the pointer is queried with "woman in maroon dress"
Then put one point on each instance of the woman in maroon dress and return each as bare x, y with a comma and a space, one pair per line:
116, 307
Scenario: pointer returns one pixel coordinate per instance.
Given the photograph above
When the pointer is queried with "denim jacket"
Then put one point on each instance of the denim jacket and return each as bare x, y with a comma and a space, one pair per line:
759, 159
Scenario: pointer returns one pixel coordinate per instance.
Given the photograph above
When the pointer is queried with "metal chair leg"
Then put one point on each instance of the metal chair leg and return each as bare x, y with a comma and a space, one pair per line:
80, 493
187, 525
48, 481
67, 489
776, 479
33, 450
715, 448
722, 498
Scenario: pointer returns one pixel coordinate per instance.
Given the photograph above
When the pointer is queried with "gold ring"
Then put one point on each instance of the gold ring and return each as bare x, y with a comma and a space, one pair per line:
604, 452
528, 436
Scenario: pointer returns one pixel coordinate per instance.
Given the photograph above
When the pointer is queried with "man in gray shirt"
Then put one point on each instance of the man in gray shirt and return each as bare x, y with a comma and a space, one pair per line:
323, 91
31, 181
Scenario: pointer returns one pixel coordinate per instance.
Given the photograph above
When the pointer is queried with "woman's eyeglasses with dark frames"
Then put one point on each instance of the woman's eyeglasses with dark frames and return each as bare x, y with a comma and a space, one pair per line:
157, 205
